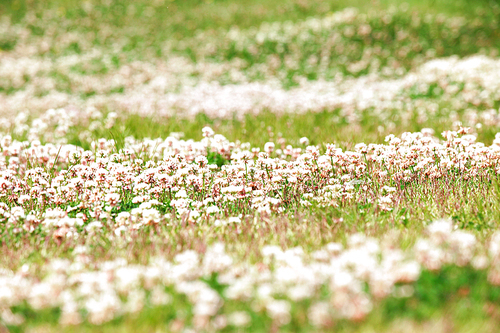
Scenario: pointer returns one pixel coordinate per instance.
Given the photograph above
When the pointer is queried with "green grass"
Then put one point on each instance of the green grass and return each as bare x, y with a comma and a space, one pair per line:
320, 128
454, 299
146, 25
184, 17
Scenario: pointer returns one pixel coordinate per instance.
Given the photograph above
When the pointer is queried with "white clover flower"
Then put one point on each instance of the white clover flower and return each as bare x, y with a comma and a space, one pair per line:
480, 262
181, 194
212, 210
159, 296
150, 216
239, 319
440, 230
93, 226
269, 147
103, 307
319, 314
279, 310
123, 218
207, 132
234, 219
10, 318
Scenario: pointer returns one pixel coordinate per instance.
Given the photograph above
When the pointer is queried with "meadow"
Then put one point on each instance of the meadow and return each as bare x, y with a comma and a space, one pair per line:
249, 166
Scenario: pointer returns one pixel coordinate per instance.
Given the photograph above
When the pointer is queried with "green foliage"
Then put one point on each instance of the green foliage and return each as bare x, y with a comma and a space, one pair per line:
216, 158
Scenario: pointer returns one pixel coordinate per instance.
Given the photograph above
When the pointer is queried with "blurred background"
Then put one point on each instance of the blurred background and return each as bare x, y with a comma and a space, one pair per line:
152, 21
129, 63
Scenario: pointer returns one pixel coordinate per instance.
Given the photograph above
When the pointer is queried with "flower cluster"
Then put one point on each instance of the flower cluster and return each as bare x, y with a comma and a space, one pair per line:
64, 189
271, 286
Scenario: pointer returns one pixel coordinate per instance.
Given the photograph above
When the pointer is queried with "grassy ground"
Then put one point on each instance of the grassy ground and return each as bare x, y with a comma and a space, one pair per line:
183, 18
136, 40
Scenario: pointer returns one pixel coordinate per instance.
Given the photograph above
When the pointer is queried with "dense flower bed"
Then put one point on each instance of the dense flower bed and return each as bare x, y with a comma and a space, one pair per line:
107, 214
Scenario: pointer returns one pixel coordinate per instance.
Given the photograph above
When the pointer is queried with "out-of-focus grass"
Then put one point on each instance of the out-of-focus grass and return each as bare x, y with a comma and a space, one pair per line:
160, 20
185, 17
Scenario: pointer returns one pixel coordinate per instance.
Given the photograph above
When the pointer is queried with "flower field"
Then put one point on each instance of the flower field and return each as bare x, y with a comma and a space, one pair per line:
272, 166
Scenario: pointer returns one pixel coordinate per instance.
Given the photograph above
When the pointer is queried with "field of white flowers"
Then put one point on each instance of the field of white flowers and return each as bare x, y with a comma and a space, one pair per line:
317, 168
